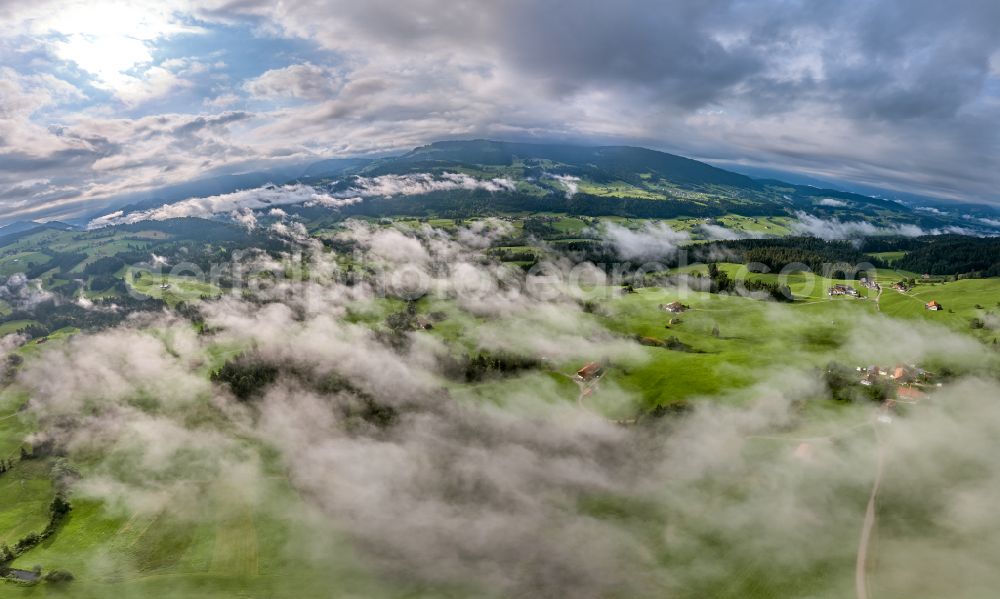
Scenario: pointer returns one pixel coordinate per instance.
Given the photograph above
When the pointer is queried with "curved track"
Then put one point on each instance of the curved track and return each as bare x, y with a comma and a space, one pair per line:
861, 590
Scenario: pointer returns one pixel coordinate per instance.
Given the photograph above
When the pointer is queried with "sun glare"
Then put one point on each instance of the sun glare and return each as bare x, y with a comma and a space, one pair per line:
111, 40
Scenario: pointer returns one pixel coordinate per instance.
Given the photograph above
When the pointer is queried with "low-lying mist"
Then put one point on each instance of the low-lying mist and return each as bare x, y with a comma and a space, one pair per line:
761, 489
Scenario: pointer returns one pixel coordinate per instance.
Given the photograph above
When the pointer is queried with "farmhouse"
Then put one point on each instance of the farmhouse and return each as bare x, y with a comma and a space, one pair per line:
590, 371
900, 286
674, 307
842, 290
902, 374
871, 375
933, 305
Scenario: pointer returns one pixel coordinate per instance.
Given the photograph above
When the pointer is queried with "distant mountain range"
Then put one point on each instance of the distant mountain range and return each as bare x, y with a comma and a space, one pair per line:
23, 226
593, 180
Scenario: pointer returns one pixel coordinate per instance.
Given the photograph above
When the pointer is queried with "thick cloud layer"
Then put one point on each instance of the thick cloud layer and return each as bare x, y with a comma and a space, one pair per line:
833, 228
241, 204
649, 242
238, 203
533, 494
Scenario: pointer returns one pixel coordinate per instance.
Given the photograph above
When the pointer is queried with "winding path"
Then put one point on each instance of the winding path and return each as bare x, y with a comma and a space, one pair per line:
861, 564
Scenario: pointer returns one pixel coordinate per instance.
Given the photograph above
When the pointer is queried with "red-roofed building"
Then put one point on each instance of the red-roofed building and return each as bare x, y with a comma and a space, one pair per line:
590, 371
910, 394
902, 374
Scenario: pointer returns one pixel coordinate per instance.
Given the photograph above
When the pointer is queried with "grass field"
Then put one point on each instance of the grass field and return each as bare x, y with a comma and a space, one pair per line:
178, 288
36, 346
265, 546
25, 493
19, 261
962, 300
14, 424
198, 536
751, 334
12, 326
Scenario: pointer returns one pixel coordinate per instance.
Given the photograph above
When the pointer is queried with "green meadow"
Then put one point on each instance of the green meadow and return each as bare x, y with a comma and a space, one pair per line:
754, 338
198, 537
170, 288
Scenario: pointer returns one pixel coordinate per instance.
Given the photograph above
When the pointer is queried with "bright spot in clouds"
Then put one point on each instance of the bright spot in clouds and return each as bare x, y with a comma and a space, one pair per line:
114, 43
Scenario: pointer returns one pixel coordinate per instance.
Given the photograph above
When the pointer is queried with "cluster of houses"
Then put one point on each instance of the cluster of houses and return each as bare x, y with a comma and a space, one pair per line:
908, 380
870, 283
839, 289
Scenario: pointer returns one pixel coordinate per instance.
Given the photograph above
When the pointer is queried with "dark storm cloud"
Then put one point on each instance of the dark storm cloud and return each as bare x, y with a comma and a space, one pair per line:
666, 46
918, 59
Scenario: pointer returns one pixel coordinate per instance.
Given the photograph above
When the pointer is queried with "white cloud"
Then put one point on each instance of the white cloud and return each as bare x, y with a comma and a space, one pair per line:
651, 241
419, 183
154, 82
571, 183
21, 292
222, 101
991, 222
831, 229
238, 204
718, 232
306, 81
833, 203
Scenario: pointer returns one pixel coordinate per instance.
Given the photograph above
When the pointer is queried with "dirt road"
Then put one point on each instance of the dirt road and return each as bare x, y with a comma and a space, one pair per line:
861, 564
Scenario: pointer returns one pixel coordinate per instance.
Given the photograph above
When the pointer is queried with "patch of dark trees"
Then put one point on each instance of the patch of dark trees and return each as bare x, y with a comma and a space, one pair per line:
722, 283
838, 259
465, 204
672, 343
398, 326
953, 255
942, 254
247, 375
62, 262
511, 255
484, 365
54, 314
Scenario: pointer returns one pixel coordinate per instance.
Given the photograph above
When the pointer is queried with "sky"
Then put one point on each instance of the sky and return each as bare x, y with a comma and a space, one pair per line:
103, 99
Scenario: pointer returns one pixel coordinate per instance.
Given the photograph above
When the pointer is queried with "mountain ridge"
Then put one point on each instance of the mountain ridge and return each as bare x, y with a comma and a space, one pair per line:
617, 180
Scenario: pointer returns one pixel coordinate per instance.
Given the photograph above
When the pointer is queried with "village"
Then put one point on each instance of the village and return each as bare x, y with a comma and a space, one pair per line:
900, 384
907, 382
840, 289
